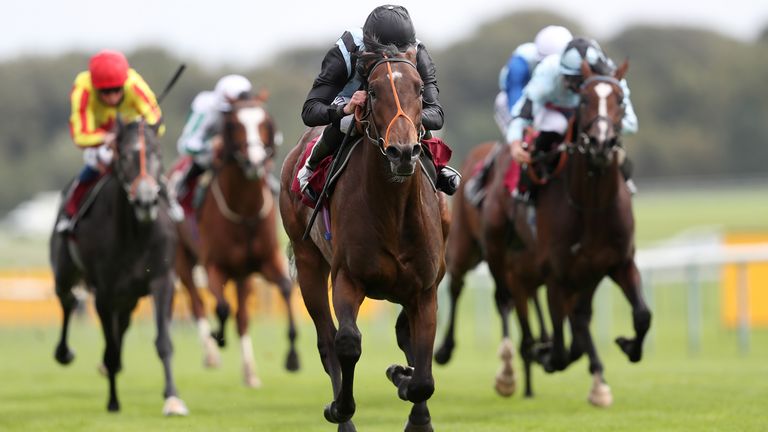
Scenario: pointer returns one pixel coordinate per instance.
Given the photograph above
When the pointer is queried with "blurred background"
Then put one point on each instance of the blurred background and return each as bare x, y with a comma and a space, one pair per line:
697, 75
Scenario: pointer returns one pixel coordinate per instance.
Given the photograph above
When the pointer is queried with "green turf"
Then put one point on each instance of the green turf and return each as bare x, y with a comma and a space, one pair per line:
717, 389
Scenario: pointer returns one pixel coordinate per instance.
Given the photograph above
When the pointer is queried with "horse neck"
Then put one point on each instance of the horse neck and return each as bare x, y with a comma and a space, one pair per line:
243, 195
127, 228
592, 192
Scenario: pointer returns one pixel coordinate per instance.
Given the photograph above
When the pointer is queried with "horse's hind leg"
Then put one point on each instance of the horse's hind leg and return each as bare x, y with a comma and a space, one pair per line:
162, 294
250, 377
347, 298
216, 281
276, 272
184, 264
65, 277
628, 278
600, 395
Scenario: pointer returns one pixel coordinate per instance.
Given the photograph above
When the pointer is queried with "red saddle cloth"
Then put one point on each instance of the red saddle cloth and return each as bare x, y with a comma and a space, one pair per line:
437, 148
186, 200
511, 176
317, 179
78, 195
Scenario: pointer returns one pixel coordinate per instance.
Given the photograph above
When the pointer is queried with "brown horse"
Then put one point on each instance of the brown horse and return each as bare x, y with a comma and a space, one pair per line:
586, 231
498, 233
238, 234
388, 241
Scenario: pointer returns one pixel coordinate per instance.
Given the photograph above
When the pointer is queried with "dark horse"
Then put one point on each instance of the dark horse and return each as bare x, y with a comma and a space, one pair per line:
586, 231
122, 249
499, 234
238, 234
388, 238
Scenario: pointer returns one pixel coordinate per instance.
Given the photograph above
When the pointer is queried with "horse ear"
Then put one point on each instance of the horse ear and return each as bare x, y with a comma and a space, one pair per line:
262, 95
586, 71
622, 70
410, 54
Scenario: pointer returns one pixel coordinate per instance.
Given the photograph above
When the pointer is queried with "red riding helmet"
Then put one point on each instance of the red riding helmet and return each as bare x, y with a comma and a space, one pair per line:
109, 69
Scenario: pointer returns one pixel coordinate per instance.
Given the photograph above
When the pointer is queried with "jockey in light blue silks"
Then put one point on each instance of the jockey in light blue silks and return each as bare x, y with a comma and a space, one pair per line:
552, 96
512, 79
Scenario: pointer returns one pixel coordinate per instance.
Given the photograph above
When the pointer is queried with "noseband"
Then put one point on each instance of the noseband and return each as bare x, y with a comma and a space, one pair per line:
382, 143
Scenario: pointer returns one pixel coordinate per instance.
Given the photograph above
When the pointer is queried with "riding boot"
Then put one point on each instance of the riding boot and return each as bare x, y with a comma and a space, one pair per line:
175, 212
626, 171
448, 180
64, 221
325, 146
190, 175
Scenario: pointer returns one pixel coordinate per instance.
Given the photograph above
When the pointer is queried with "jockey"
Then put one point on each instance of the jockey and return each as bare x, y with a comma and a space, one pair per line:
512, 79
336, 92
519, 68
110, 87
552, 96
201, 131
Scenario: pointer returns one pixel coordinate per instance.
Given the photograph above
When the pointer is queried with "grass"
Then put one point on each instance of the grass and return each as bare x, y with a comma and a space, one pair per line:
718, 388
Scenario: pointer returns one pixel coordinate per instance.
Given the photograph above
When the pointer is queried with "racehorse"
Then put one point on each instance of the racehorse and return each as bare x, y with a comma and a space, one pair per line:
387, 240
122, 248
238, 234
499, 234
586, 231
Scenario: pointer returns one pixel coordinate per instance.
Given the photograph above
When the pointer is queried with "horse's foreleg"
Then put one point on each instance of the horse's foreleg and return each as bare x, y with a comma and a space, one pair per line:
183, 266
628, 278
109, 326
277, 272
216, 281
250, 377
347, 298
556, 359
496, 255
600, 395
162, 295
65, 279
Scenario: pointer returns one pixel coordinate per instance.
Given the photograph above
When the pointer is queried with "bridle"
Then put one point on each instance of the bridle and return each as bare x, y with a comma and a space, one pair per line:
131, 187
582, 144
383, 142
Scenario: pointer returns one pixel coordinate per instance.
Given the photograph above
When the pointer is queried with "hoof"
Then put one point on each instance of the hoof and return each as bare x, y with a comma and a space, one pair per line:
600, 395
113, 406
505, 385
410, 427
252, 381
395, 372
443, 355
332, 414
292, 362
630, 348
174, 407
64, 355
347, 427
218, 336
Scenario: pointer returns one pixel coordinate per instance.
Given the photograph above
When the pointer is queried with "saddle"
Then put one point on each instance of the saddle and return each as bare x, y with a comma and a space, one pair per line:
434, 157
80, 196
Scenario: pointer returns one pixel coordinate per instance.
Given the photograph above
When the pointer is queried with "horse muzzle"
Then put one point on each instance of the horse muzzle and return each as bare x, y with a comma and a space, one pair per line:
403, 158
145, 198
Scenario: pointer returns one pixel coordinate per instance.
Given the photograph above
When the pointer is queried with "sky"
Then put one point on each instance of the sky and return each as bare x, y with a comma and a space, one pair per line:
250, 32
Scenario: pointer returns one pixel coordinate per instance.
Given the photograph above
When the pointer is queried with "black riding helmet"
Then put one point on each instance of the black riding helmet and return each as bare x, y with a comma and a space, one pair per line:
580, 49
390, 25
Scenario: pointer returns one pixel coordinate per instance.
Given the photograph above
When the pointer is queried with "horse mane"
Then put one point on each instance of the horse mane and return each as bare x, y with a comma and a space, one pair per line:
374, 52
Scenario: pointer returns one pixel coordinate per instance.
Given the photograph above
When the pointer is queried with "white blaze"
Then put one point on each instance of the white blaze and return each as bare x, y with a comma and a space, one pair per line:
251, 119
603, 90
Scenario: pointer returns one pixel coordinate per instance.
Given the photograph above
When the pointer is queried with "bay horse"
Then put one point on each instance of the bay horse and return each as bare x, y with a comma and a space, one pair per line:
388, 240
498, 233
237, 233
122, 248
586, 231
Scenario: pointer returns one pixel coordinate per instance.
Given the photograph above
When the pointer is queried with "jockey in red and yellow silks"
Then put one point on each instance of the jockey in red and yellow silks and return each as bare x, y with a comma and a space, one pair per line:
107, 89
92, 119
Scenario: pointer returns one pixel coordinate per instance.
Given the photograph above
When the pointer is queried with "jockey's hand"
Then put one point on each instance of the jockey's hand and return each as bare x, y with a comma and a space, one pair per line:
110, 139
357, 100
519, 153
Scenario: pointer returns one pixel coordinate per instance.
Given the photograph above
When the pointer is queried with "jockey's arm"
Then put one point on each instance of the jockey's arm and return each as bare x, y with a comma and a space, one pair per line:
523, 117
432, 116
319, 109
82, 121
139, 93
517, 77
629, 122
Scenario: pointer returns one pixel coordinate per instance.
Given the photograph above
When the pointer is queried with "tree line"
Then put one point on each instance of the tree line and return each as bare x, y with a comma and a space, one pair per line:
700, 97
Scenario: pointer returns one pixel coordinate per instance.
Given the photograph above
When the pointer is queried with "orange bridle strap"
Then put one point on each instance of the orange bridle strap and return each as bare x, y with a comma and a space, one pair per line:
400, 112
142, 159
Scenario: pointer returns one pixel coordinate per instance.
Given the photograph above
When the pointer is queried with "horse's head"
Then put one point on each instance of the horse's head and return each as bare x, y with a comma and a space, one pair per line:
392, 116
138, 167
248, 137
600, 114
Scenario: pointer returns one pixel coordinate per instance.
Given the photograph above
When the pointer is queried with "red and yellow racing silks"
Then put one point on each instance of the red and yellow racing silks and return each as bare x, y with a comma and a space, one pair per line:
91, 118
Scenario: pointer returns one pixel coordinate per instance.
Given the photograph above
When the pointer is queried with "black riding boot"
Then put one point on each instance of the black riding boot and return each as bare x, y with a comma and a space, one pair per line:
326, 145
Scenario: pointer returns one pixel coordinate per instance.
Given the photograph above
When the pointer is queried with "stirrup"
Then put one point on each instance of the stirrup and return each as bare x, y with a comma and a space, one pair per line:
631, 186
522, 197
303, 176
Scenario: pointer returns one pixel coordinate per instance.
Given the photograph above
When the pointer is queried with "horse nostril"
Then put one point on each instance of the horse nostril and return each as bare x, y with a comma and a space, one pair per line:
416, 152
393, 152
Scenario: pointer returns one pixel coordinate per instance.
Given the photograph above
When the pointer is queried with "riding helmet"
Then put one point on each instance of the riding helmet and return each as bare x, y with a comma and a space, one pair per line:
390, 25
109, 69
551, 40
583, 49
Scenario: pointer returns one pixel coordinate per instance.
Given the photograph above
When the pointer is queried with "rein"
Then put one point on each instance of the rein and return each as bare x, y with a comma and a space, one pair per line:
234, 217
142, 142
